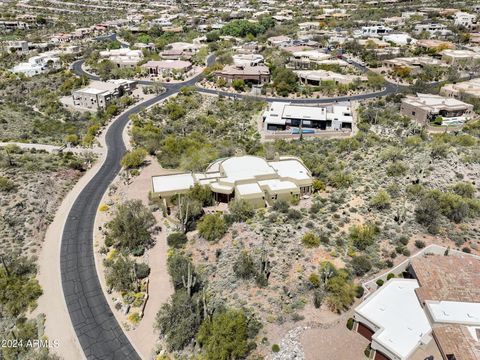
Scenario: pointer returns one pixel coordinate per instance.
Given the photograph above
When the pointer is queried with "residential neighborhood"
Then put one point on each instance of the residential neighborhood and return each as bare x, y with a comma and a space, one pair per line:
252, 179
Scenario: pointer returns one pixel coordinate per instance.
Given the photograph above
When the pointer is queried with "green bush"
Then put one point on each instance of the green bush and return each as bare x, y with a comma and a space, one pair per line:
275, 348
240, 210
359, 290
120, 273
142, 270
177, 239
134, 159
130, 229
396, 168
464, 189
281, 206
294, 214
419, 244
341, 180
390, 276
350, 323
212, 227
238, 85
310, 240
225, 336
381, 200
6, 184
244, 267
363, 236
314, 280
318, 185
179, 319
361, 265
379, 282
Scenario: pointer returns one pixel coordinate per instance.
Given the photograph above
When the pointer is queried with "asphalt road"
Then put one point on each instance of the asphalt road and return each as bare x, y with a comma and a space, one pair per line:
100, 336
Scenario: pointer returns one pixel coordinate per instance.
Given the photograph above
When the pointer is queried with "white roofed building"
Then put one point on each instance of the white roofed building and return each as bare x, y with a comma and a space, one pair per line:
254, 179
432, 312
283, 116
394, 333
124, 57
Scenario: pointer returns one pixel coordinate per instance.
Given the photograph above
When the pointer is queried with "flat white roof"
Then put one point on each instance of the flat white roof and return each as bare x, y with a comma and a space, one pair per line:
454, 312
278, 185
395, 309
249, 189
290, 168
246, 167
169, 183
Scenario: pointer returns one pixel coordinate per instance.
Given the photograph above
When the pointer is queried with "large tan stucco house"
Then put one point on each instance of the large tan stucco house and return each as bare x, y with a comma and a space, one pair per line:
251, 178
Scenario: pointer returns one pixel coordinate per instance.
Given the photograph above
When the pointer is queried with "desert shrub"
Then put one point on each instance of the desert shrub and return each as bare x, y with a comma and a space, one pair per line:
212, 227
226, 336
435, 203
464, 189
238, 85
341, 291
419, 244
244, 267
361, 265
179, 319
275, 348
359, 290
134, 159
19, 290
294, 214
341, 180
363, 236
390, 276
350, 323
381, 200
310, 240
6, 184
318, 297
314, 280
281, 206
240, 210
203, 194
396, 168
120, 273
177, 239
130, 229
318, 185
142, 270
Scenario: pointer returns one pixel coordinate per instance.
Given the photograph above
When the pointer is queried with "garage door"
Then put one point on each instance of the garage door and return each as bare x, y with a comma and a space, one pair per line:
365, 331
380, 356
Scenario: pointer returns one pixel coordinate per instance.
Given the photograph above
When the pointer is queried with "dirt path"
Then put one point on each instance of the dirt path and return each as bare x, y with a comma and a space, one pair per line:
52, 148
160, 286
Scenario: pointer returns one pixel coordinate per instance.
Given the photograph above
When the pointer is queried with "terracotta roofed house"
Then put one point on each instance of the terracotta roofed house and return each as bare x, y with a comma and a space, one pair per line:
438, 298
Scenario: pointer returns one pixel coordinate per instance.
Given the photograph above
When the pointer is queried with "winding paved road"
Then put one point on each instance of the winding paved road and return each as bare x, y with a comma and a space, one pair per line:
100, 336
99, 333
390, 88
